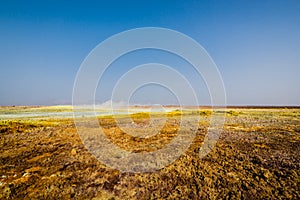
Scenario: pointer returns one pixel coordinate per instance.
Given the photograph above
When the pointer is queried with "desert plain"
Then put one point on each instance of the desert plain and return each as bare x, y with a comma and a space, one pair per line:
257, 156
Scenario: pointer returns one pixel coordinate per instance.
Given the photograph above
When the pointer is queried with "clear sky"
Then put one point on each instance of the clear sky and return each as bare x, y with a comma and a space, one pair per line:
255, 44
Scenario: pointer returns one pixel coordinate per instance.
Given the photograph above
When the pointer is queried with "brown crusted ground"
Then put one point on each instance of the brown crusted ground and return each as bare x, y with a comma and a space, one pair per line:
256, 157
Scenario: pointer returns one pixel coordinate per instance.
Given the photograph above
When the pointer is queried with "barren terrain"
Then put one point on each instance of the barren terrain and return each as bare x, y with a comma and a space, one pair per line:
256, 157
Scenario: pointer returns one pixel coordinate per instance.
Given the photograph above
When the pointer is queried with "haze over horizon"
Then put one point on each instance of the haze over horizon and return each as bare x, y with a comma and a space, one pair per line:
255, 44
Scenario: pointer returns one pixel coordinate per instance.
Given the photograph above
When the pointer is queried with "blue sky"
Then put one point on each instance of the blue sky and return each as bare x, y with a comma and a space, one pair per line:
255, 44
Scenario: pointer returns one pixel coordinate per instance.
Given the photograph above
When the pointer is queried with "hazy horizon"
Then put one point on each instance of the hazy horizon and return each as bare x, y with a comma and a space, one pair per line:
255, 45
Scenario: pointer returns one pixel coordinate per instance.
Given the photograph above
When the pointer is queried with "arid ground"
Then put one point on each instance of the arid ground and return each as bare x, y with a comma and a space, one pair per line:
256, 157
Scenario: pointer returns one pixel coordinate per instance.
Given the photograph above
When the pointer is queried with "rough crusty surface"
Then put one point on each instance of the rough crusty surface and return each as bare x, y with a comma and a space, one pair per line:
256, 157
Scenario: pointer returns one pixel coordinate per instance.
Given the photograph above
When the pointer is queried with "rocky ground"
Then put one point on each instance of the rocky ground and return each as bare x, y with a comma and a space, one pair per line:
256, 157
